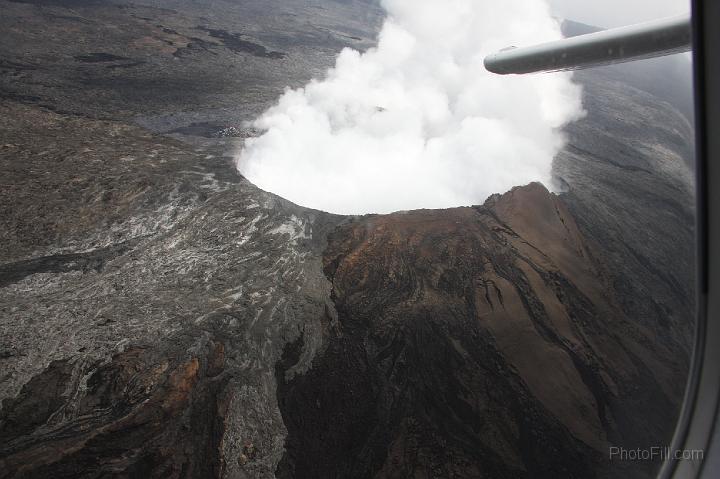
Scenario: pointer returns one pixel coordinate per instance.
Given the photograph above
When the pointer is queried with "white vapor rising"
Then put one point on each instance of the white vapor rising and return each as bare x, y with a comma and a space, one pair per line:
418, 122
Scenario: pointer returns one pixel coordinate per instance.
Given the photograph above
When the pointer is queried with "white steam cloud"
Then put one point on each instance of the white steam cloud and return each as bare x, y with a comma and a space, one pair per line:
418, 122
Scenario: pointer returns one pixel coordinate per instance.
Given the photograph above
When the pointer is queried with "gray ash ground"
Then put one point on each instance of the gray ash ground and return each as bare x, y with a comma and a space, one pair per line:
160, 316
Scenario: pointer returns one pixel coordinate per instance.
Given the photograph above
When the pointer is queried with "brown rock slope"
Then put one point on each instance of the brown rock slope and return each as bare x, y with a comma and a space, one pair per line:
474, 342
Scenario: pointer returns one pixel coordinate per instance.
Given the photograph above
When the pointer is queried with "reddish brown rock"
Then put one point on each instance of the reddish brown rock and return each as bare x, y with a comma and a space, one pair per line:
474, 342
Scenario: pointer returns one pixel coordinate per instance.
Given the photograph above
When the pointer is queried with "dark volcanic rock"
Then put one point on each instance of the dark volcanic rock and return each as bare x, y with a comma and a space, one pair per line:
145, 302
240, 59
628, 175
632, 192
236, 43
166, 418
474, 342
99, 57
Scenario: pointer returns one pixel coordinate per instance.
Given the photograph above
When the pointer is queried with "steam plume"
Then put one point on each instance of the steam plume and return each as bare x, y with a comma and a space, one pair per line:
418, 122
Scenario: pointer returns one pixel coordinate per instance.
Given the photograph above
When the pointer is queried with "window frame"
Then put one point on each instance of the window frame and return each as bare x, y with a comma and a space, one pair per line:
697, 427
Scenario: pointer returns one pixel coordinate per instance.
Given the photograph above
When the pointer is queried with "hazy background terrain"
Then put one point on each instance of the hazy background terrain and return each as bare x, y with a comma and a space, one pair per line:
615, 13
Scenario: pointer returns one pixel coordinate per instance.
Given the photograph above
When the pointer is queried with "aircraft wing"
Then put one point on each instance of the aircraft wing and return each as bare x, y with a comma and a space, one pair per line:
616, 45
